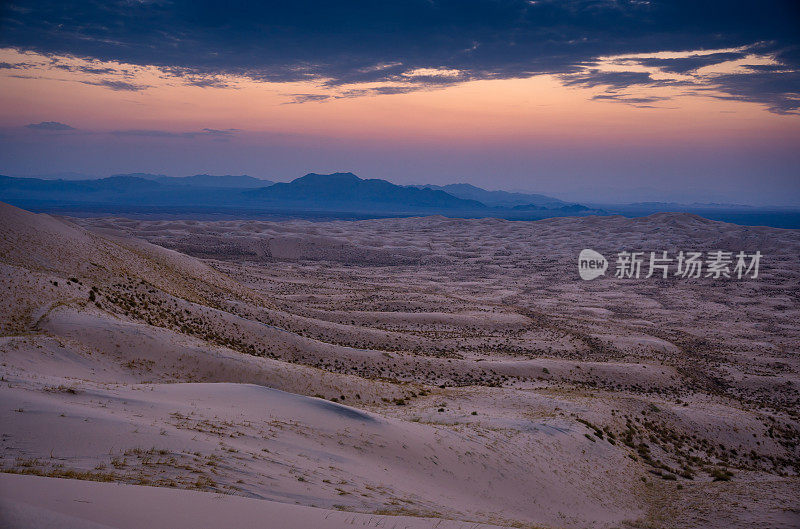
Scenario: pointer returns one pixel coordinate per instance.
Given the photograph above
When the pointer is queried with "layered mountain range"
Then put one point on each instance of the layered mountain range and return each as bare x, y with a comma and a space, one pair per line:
337, 192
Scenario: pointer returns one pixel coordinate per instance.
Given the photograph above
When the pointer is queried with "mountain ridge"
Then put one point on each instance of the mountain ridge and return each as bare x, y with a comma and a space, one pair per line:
497, 198
347, 188
207, 180
312, 194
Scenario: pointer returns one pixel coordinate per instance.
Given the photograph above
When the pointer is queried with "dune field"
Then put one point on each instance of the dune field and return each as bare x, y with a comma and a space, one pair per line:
401, 373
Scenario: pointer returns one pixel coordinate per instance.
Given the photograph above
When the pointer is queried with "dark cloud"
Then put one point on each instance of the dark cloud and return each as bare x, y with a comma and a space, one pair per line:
357, 92
395, 89
779, 92
614, 80
202, 80
382, 90
86, 69
207, 82
775, 86
687, 64
49, 125
765, 67
14, 66
641, 102
307, 98
355, 41
123, 86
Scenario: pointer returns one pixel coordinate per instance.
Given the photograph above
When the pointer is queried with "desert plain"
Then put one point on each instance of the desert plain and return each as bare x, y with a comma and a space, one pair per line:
409, 372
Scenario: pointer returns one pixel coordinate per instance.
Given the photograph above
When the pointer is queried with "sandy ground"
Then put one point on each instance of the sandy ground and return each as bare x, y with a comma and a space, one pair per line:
423, 372
32, 502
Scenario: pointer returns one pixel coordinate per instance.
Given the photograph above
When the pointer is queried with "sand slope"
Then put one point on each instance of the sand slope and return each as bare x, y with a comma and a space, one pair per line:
30, 502
446, 369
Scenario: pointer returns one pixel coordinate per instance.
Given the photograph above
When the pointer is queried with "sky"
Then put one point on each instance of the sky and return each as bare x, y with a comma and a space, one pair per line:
604, 101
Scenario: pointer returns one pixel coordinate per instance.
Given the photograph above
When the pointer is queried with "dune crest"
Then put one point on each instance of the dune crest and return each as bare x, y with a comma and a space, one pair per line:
419, 372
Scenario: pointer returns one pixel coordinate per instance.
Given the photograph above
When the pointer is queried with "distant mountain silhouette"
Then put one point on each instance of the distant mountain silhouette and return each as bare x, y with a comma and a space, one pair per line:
65, 175
347, 190
119, 189
207, 180
312, 194
497, 198
114, 184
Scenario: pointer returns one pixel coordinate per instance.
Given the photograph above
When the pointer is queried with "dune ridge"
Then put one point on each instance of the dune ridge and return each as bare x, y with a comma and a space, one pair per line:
419, 372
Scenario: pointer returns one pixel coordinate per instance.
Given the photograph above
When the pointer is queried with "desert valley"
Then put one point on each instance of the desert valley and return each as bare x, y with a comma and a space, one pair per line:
408, 372
417, 264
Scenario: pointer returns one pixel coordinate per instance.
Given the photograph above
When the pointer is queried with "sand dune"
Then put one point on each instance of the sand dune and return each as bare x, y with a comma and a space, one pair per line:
30, 502
421, 372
